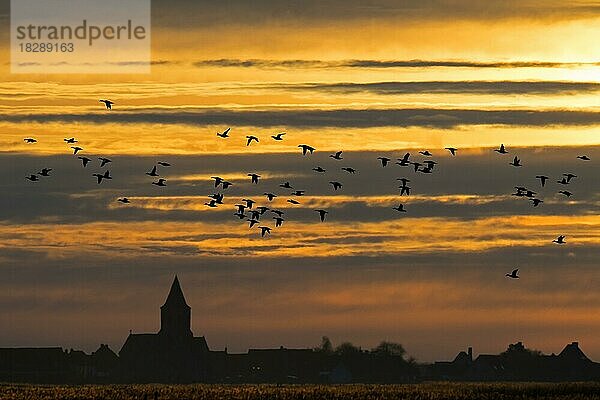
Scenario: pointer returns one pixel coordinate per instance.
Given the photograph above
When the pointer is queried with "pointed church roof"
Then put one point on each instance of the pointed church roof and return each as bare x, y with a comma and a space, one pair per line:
175, 297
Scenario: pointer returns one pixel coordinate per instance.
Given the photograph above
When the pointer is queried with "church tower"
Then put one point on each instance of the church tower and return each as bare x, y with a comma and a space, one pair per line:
175, 315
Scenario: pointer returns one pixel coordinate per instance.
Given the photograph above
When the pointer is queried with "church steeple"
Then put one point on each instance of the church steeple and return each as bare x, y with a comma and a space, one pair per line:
175, 314
175, 296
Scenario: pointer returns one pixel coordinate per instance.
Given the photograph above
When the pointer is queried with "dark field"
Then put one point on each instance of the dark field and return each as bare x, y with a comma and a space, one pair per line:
437, 391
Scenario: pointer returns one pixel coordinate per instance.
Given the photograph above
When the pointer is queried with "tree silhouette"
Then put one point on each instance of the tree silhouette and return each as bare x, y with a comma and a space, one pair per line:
347, 349
389, 349
325, 347
518, 350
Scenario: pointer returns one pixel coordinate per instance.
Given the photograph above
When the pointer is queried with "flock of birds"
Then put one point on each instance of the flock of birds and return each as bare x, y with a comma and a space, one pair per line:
248, 210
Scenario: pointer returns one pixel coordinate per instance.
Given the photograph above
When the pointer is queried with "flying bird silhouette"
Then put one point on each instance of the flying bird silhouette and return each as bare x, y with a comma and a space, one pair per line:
565, 192
250, 139
85, 160
563, 181
164, 164
107, 103
337, 156
226, 184
152, 172
403, 180
513, 275
501, 150
426, 153
160, 182
543, 179
270, 196
45, 172
100, 177
104, 161
240, 208
349, 170
76, 149
277, 212
336, 185
584, 158
218, 197
32, 178
516, 162
319, 169
322, 214
254, 178
292, 201
29, 140
560, 240
224, 134
278, 136
255, 214
569, 176
452, 150
400, 208
252, 222
124, 200
218, 180
384, 161
286, 185
70, 140
212, 203
264, 230
306, 148
278, 221
249, 203
404, 190
536, 202
262, 209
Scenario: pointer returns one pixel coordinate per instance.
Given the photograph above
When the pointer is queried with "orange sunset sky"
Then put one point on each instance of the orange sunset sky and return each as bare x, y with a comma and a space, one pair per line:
371, 78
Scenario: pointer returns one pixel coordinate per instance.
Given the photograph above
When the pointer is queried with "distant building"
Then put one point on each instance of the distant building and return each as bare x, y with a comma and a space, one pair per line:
39, 365
171, 355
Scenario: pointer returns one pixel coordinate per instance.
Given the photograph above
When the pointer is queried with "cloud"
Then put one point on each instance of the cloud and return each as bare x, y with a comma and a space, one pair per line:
461, 187
464, 87
256, 63
283, 64
338, 118
298, 14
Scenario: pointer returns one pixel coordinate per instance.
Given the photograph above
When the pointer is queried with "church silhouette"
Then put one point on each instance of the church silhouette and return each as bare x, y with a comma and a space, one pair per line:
173, 354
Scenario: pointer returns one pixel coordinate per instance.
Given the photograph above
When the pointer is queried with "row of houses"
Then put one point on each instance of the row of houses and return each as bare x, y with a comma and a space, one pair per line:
283, 365
55, 365
517, 363
174, 355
